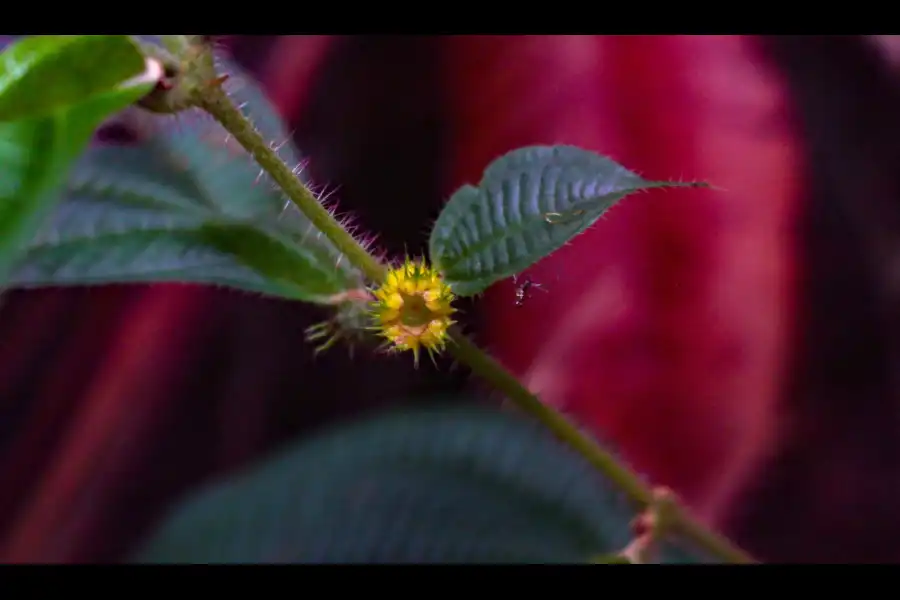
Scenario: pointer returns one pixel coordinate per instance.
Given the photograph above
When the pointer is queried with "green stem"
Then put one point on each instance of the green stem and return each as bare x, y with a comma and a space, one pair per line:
214, 101
679, 519
486, 367
684, 525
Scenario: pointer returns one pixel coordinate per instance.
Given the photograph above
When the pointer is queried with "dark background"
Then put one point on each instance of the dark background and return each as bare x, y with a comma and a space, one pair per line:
739, 346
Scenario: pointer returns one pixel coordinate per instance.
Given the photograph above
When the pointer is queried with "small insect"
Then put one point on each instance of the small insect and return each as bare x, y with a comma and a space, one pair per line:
523, 288
555, 218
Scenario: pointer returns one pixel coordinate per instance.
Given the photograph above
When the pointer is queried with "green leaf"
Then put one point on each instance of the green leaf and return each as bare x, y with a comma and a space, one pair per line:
54, 92
186, 205
436, 485
96, 240
301, 272
151, 222
529, 203
49, 74
214, 219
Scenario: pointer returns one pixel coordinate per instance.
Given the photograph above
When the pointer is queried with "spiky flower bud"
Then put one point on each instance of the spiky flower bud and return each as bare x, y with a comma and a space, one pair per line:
413, 308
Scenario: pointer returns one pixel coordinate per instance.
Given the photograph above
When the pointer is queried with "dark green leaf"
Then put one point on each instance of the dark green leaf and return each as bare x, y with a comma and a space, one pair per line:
153, 225
92, 240
529, 203
302, 272
54, 92
441, 485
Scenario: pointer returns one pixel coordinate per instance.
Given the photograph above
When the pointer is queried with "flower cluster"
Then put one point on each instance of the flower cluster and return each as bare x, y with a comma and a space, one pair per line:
413, 307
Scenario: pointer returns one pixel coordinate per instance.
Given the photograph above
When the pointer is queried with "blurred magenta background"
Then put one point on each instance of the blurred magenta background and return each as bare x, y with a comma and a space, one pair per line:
735, 345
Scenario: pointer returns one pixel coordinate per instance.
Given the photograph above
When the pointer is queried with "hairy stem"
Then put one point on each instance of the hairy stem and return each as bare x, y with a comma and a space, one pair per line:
214, 101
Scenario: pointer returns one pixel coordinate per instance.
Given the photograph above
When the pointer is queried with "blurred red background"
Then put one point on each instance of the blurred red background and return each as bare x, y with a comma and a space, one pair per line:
736, 345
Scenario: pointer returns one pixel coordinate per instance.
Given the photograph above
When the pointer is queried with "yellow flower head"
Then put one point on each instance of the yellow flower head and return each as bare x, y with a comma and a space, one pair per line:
412, 308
